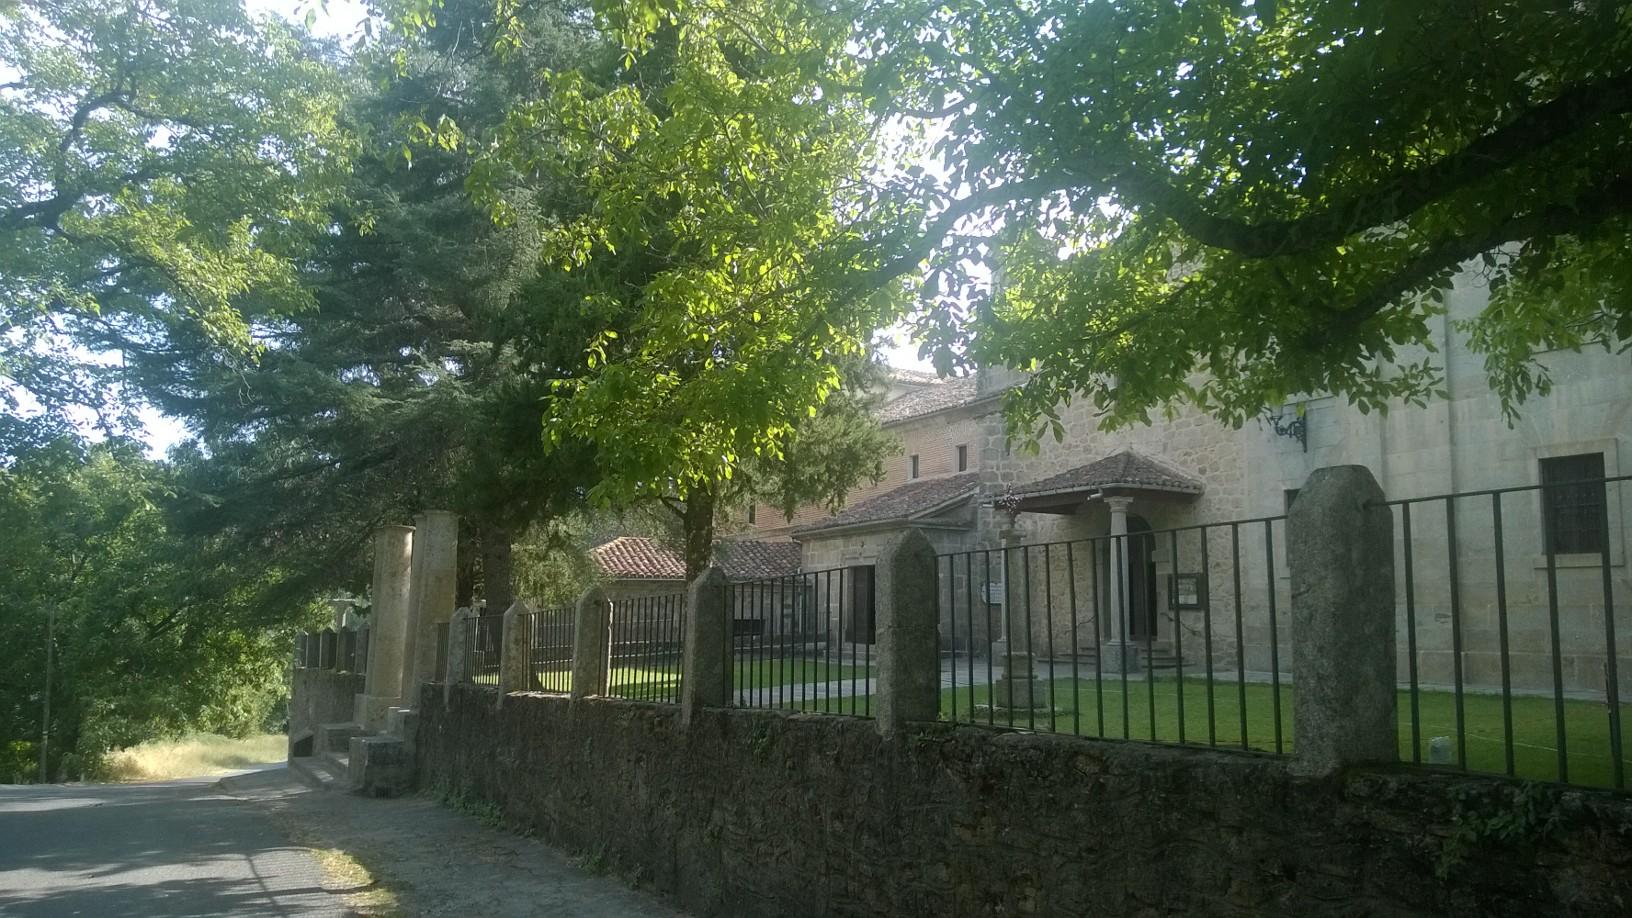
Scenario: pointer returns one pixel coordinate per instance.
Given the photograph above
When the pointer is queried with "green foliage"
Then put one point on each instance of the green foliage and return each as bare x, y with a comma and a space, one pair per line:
158, 161
1524, 814
150, 639
1227, 205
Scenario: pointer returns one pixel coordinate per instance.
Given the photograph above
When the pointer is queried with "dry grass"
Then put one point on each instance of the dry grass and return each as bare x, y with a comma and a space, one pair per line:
198, 756
365, 897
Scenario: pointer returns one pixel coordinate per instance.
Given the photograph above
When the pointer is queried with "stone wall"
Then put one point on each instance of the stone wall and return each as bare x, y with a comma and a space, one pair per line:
316, 697
762, 813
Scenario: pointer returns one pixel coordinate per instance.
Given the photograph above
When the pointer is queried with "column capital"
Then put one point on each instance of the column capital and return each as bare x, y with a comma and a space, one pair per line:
1119, 503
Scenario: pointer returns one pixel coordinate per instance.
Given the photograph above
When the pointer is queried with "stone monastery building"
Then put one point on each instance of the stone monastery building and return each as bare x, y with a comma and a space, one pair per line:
957, 480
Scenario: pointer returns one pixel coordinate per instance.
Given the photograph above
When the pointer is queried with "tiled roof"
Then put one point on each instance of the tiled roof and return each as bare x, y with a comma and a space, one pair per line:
905, 502
949, 393
749, 559
640, 558
637, 558
919, 377
1126, 469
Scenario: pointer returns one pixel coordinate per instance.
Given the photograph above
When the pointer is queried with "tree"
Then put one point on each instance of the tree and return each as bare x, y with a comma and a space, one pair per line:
418, 376
158, 159
716, 162
1228, 203
152, 637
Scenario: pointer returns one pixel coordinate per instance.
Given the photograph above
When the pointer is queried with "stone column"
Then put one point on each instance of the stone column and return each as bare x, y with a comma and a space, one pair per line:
706, 664
461, 632
1119, 654
388, 627
590, 648
515, 647
1017, 688
433, 581
1340, 551
909, 654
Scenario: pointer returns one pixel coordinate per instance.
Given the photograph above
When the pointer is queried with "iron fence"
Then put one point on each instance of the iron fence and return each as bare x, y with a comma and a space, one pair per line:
1199, 654
804, 641
647, 638
550, 634
485, 638
1513, 654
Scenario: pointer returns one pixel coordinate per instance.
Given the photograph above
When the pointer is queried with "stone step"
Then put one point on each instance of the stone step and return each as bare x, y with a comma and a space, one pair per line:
318, 772
335, 737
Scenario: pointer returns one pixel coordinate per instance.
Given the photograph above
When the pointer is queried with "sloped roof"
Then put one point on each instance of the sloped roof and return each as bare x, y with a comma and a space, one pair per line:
641, 558
912, 499
1126, 469
948, 393
750, 559
913, 377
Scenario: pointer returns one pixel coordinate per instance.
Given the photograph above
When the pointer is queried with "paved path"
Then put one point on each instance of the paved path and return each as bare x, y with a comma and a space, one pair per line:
174, 849
438, 861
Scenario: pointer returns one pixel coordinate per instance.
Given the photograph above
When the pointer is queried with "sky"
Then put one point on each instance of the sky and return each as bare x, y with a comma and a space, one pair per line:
342, 19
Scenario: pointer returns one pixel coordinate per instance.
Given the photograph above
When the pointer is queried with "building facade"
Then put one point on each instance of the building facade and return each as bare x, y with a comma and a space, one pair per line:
1179, 524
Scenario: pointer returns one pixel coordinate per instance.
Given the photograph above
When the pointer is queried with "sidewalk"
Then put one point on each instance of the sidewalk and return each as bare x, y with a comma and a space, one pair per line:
436, 860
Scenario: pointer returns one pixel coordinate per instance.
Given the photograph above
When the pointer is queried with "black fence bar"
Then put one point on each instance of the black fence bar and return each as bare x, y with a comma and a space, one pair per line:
549, 634
647, 643
1029, 641
1512, 650
803, 641
482, 648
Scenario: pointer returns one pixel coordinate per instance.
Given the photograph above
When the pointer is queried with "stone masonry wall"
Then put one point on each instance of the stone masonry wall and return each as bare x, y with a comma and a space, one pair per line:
320, 696
763, 813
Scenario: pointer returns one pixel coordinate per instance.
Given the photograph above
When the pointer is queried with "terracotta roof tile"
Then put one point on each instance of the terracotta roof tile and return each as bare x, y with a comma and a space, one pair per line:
949, 393
903, 503
1126, 469
640, 558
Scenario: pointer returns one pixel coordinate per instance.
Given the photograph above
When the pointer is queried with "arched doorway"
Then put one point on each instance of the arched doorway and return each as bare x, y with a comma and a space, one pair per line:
1141, 582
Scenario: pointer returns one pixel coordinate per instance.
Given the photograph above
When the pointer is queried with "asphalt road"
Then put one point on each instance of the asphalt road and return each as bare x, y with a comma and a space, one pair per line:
175, 849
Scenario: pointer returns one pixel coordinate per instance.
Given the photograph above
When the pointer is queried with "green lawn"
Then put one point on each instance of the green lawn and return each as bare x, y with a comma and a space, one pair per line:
658, 683
1093, 710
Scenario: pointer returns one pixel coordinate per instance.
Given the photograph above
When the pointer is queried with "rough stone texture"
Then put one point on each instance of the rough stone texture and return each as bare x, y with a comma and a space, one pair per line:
319, 696
388, 625
909, 665
335, 737
707, 650
591, 632
433, 582
514, 669
381, 766
1342, 560
461, 631
765, 813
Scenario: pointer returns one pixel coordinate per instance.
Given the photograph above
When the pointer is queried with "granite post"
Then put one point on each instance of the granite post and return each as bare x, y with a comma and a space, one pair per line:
461, 632
706, 663
590, 650
909, 659
1340, 550
433, 581
515, 671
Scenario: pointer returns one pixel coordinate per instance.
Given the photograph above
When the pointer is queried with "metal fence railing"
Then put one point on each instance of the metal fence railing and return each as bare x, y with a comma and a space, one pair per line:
1514, 656
549, 648
1199, 654
486, 642
804, 642
343, 651
647, 639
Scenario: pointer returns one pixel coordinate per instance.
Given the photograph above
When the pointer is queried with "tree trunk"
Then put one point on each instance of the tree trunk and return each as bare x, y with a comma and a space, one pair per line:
498, 577
698, 528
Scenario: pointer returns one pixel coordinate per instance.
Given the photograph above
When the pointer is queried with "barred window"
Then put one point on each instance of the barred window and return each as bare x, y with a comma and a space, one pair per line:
1574, 505
963, 458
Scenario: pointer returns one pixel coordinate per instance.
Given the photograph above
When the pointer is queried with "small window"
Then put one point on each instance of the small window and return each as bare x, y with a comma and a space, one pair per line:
963, 458
915, 465
1575, 511
1291, 495
750, 514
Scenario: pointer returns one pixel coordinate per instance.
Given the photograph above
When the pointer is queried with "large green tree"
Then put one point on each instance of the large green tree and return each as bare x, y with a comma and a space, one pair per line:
158, 159
151, 636
719, 160
1229, 203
